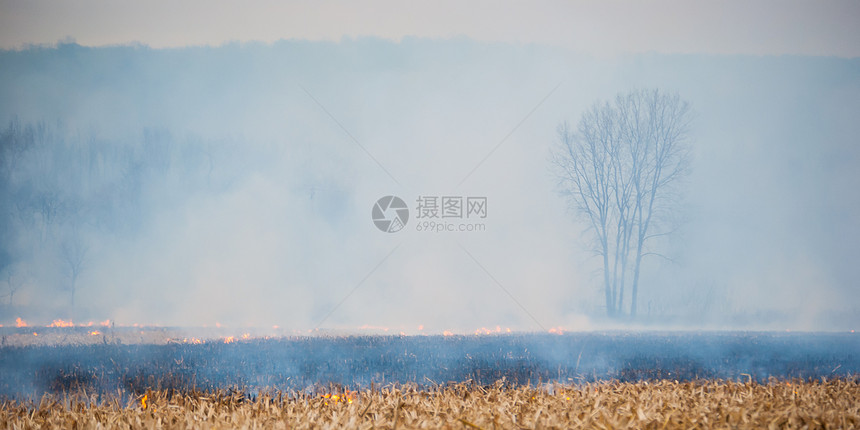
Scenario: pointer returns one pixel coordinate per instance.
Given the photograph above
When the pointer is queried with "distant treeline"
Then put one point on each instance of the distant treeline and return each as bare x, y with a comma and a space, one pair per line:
63, 190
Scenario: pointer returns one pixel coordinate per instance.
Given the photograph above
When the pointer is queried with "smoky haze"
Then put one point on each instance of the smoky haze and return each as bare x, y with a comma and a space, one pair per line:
234, 184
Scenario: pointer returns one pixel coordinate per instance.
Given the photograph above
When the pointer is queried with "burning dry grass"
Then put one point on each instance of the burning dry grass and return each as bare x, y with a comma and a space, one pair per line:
665, 404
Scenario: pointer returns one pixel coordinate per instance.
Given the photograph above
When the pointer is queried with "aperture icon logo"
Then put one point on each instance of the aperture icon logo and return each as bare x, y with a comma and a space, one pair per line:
390, 214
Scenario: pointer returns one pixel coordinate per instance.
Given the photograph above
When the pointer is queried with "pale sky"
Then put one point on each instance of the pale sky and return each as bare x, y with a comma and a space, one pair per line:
769, 27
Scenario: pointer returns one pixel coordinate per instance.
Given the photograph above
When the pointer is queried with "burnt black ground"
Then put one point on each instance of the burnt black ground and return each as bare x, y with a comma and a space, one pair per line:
356, 362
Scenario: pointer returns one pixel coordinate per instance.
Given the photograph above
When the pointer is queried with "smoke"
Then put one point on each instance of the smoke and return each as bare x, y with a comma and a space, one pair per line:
235, 185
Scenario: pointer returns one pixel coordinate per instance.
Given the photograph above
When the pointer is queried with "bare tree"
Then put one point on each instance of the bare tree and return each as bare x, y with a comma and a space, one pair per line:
74, 252
14, 281
619, 170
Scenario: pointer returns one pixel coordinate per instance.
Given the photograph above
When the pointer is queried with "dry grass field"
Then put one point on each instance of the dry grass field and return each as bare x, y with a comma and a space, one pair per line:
665, 404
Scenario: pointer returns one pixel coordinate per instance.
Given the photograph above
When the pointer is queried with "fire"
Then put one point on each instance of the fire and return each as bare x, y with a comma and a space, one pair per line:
105, 323
229, 339
246, 336
143, 401
61, 323
447, 333
345, 397
35, 334
497, 330
556, 330
95, 333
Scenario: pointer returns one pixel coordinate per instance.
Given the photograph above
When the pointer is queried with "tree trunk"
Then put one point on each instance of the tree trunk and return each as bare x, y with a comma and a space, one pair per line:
620, 306
72, 289
634, 289
610, 304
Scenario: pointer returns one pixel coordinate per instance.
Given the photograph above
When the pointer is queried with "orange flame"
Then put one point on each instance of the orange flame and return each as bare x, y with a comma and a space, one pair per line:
105, 323
143, 401
556, 330
20, 323
447, 333
95, 333
497, 330
246, 336
229, 339
61, 323
345, 397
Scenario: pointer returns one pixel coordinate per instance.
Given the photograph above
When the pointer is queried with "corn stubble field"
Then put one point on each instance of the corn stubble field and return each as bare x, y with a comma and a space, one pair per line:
584, 380
660, 404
